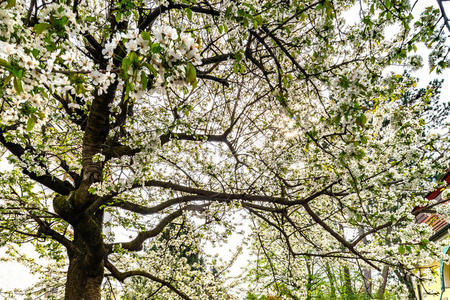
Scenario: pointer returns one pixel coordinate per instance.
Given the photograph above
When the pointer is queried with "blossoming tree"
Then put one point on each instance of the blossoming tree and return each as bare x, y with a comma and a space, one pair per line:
169, 117
336, 275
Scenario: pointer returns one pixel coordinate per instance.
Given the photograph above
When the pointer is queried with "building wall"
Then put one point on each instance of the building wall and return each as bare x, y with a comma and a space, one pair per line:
434, 288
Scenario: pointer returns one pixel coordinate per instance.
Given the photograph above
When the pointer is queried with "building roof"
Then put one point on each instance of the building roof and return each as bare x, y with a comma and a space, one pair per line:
424, 215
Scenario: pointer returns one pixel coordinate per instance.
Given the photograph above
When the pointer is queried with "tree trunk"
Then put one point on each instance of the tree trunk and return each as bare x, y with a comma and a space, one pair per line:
331, 280
366, 272
367, 276
83, 281
86, 260
310, 277
385, 274
348, 289
407, 281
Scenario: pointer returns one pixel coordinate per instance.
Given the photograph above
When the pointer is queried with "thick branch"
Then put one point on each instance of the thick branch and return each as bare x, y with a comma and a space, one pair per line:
201, 194
218, 195
373, 230
118, 150
137, 242
212, 195
52, 182
217, 59
71, 113
148, 210
145, 210
162, 9
121, 276
96, 132
44, 228
283, 48
444, 15
95, 49
214, 78
165, 138
337, 236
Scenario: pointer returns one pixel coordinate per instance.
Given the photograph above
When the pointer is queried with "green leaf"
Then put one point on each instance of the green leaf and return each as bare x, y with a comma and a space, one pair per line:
361, 120
35, 53
63, 21
145, 35
282, 99
360, 154
432, 68
228, 11
238, 56
118, 17
151, 69
17, 73
133, 56
364, 139
191, 74
17, 85
128, 89
189, 13
156, 48
90, 19
39, 28
44, 94
30, 123
4, 63
126, 63
388, 4
401, 249
144, 80
11, 3
366, 20
6, 81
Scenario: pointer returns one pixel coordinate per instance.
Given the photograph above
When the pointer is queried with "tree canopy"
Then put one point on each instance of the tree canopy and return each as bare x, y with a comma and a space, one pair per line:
164, 119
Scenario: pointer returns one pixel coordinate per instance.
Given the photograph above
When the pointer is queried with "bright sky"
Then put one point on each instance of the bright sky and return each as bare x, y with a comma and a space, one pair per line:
14, 275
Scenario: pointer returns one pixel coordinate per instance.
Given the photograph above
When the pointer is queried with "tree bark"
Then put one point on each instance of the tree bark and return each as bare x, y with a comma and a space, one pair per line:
367, 275
86, 259
382, 287
407, 281
310, 277
347, 283
82, 283
366, 272
86, 262
331, 280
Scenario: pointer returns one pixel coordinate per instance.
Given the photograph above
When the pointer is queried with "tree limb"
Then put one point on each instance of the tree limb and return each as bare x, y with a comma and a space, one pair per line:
137, 243
148, 21
52, 182
121, 276
145, 210
338, 237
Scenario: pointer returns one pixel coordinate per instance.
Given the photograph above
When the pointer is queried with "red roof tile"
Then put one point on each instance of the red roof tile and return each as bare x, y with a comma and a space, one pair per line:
435, 220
